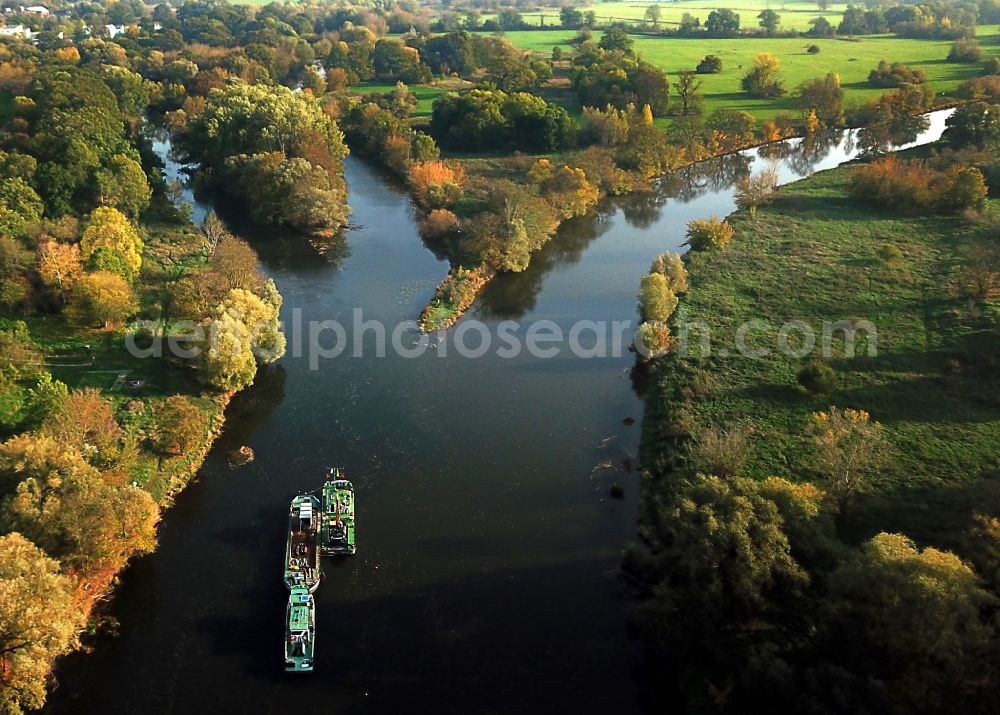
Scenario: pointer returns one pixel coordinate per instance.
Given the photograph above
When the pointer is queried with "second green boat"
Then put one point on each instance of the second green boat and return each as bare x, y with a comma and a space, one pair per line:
337, 525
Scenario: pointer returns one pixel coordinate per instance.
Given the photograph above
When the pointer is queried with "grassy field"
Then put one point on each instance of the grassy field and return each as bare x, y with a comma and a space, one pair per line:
426, 94
795, 14
853, 60
812, 256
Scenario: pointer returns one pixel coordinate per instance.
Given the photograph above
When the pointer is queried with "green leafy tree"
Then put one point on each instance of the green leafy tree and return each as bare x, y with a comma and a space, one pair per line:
20, 205
769, 20
123, 186
687, 88
227, 361
722, 22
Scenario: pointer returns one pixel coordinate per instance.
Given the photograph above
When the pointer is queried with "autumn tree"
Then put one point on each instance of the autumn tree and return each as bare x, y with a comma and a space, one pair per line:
671, 265
656, 301
62, 504
85, 421
39, 621
111, 242
915, 620
260, 315
59, 267
236, 261
721, 562
180, 424
762, 80
103, 298
824, 96
227, 361
849, 449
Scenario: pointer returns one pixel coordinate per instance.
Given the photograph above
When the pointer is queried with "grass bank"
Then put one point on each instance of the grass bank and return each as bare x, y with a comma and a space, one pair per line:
814, 256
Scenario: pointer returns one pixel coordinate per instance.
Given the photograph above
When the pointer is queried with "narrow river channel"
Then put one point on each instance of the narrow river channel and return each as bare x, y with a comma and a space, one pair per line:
488, 546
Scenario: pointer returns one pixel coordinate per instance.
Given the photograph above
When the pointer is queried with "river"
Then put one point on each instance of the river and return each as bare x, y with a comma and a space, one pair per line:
486, 578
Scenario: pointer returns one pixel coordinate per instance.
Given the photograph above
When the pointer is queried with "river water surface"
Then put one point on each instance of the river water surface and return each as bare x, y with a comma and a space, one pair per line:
488, 547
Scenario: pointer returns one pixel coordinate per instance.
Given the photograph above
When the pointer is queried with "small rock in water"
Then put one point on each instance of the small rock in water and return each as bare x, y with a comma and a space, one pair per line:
628, 421
241, 456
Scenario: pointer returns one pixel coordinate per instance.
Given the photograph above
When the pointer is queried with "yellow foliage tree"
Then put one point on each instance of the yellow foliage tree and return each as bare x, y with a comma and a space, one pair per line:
110, 239
38, 622
59, 266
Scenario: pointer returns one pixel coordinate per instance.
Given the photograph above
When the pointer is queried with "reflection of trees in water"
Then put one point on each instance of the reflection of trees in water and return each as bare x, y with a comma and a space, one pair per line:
879, 139
691, 182
723, 173
334, 249
642, 209
251, 407
510, 295
805, 154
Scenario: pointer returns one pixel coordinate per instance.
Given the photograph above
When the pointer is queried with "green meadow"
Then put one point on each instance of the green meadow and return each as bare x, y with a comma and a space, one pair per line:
814, 256
426, 94
851, 59
795, 14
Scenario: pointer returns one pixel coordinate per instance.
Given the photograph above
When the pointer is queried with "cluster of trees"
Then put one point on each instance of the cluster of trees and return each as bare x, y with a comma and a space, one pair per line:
276, 149
490, 119
658, 291
895, 74
610, 72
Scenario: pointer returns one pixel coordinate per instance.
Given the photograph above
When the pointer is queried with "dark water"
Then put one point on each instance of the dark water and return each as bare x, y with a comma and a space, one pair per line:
486, 574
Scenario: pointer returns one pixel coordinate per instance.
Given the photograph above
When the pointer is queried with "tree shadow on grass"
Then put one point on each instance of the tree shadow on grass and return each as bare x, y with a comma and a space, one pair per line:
938, 516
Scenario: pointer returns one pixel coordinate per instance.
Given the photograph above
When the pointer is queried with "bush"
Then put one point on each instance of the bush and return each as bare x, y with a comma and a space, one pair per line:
656, 301
813, 49
913, 186
653, 339
672, 266
992, 66
895, 75
439, 222
818, 378
890, 254
710, 233
719, 452
965, 50
711, 64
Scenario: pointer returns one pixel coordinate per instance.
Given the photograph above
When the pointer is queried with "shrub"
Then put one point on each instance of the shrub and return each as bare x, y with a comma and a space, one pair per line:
719, 452
992, 66
818, 378
671, 265
914, 186
436, 183
965, 50
895, 75
653, 339
439, 222
656, 301
711, 64
710, 233
889, 254
813, 49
